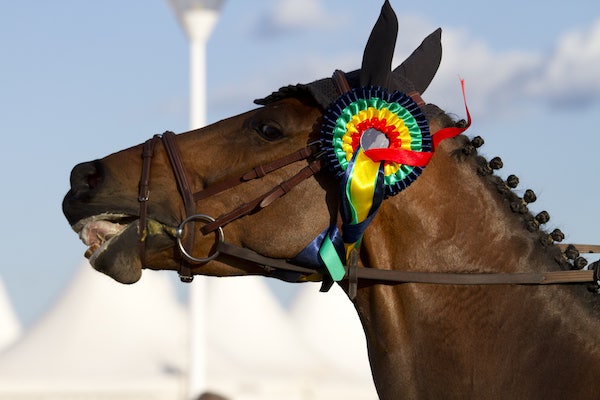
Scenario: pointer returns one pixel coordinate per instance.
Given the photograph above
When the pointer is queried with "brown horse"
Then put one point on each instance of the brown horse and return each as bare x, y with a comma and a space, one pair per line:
425, 340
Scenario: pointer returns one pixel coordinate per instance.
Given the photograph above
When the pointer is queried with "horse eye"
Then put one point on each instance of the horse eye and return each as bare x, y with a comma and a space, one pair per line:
269, 132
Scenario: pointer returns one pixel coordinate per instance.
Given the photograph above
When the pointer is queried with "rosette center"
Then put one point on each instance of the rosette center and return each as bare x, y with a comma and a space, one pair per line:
374, 139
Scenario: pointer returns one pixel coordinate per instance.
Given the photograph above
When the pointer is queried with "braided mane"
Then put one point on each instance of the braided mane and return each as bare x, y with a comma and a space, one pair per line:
567, 260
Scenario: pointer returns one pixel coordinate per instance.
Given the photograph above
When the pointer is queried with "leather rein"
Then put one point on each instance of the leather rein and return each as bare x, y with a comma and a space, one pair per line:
285, 269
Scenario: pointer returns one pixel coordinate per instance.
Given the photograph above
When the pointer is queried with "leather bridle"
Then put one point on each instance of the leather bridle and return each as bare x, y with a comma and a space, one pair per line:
284, 268
185, 241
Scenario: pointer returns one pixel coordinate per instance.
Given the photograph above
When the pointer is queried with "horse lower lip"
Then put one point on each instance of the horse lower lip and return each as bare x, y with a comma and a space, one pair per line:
119, 257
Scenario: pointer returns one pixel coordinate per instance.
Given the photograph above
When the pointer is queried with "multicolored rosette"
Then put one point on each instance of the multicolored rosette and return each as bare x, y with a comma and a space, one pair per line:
377, 143
404, 144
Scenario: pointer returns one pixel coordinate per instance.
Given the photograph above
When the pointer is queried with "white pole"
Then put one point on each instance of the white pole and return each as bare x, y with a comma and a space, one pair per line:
197, 373
197, 84
198, 23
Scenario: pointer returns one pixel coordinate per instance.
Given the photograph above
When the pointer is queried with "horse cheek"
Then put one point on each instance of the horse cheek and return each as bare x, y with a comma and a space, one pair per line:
283, 229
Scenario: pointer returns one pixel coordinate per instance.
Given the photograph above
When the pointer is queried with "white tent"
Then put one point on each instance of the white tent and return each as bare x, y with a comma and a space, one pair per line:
102, 340
10, 328
257, 352
330, 324
254, 351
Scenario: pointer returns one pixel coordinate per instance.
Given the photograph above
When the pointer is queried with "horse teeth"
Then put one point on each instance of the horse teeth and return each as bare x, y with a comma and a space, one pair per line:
95, 233
91, 250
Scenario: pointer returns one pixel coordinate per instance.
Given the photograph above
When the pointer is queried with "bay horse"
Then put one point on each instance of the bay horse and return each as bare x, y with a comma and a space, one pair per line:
440, 256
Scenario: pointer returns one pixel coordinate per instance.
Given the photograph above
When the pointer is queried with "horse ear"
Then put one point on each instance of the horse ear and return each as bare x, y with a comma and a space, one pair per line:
377, 58
420, 67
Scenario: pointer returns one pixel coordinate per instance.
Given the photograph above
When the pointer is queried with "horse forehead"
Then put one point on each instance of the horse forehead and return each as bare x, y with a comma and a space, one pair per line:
290, 109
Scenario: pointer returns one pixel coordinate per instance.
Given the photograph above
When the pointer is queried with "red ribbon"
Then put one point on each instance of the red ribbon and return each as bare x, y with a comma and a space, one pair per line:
420, 158
447, 133
400, 156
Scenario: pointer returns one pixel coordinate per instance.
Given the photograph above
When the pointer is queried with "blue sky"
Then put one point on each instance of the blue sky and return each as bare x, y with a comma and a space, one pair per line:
82, 79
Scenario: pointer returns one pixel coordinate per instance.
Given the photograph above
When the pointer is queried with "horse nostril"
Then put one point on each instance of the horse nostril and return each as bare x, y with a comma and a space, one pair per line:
93, 180
86, 177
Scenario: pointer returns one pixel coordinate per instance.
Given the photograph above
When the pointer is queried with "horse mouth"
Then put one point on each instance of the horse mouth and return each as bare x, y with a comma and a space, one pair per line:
113, 240
100, 231
111, 245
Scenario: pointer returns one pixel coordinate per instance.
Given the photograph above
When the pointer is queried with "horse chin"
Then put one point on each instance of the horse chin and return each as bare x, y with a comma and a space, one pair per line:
119, 257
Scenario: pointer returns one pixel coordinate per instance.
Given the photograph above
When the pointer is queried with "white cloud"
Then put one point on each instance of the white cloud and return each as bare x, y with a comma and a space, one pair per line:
511, 80
296, 15
497, 82
493, 79
571, 75
238, 94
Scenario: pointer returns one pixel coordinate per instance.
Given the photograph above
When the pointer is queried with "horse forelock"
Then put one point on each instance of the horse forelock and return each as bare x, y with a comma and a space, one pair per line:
325, 92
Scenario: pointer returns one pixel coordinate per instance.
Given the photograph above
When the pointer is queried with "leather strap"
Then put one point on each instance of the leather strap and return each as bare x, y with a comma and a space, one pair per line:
255, 173
179, 171
340, 82
416, 96
265, 263
517, 278
183, 185
144, 193
352, 274
265, 199
583, 248
390, 276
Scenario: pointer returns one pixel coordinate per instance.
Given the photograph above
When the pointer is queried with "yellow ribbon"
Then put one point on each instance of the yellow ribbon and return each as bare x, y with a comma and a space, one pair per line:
362, 186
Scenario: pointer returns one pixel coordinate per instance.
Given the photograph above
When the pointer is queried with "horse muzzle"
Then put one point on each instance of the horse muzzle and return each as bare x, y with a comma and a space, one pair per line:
108, 223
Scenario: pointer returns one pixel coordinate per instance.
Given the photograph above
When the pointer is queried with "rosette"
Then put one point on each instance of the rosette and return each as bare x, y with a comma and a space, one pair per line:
389, 128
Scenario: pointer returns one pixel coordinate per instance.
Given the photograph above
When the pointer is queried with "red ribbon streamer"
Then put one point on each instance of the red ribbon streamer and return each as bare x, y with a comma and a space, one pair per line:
420, 158
447, 133
400, 156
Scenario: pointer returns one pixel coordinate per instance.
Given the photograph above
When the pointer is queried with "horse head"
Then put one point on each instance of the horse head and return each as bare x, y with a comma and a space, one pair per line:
103, 205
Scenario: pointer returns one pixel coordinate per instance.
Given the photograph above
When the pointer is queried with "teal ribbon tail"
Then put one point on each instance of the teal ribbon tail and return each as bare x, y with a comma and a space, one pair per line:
331, 259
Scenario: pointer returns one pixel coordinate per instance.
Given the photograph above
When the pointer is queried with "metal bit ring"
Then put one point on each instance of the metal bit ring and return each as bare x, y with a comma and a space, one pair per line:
179, 235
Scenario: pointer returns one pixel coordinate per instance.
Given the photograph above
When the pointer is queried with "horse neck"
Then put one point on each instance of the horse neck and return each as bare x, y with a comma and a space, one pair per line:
451, 219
